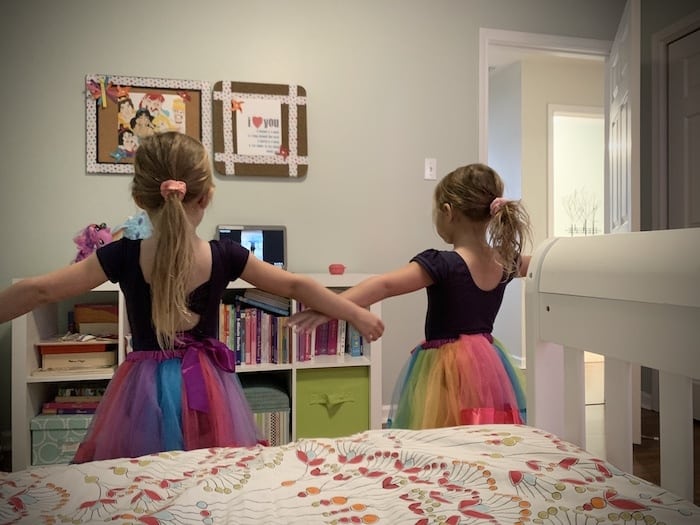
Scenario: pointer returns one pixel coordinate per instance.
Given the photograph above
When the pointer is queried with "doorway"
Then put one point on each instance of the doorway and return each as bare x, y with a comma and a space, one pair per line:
536, 74
576, 151
526, 73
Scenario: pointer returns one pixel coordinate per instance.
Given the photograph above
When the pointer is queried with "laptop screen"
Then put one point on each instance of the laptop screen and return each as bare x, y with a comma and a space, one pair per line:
267, 243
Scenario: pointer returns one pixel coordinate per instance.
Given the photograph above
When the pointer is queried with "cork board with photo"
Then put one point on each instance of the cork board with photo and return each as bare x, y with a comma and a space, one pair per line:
121, 110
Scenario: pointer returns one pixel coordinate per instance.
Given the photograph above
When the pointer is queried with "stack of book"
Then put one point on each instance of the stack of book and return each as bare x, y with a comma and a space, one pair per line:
81, 399
74, 356
254, 325
267, 301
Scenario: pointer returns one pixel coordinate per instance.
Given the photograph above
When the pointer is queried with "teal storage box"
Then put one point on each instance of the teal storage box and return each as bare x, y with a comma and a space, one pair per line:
271, 408
55, 438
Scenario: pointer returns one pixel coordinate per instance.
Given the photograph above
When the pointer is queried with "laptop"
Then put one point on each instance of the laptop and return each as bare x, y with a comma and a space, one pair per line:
267, 243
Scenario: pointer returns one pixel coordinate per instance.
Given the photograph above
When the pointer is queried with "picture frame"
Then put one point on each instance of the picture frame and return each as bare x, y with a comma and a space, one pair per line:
259, 130
121, 109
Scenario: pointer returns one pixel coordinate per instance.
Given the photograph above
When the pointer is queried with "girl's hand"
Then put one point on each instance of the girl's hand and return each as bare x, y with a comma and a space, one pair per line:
307, 320
370, 326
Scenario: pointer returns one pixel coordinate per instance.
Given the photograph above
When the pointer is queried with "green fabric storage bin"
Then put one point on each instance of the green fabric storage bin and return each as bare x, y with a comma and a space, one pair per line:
332, 402
55, 438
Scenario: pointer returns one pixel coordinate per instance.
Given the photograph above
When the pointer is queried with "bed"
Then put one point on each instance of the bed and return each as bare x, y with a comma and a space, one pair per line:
496, 474
479, 474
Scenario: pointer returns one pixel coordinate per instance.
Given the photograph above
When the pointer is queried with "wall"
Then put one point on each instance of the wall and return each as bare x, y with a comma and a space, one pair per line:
505, 137
389, 83
551, 81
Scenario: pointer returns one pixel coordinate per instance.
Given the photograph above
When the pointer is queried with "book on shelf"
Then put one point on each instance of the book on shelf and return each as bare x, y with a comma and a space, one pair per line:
68, 346
263, 306
54, 407
96, 313
78, 399
82, 389
67, 411
342, 332
268, 298
69, 371
332, 345
354, 341
320, 339
79, 360
99, 329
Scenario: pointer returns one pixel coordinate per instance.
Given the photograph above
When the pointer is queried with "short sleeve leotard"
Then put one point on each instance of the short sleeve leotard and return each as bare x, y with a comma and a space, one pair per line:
120, 262
456, 305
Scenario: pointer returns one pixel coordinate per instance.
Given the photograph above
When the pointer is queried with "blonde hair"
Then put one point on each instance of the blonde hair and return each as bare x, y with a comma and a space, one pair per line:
162, 157
470, 190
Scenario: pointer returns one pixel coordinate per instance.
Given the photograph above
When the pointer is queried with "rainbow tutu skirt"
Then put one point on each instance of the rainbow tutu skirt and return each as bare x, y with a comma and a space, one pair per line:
466, 381
183, 399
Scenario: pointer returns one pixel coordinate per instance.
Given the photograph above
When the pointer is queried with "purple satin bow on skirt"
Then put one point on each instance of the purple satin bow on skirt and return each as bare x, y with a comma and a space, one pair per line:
192, 375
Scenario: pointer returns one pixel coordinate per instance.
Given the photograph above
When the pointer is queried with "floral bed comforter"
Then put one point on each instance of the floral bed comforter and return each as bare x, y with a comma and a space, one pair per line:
492, 474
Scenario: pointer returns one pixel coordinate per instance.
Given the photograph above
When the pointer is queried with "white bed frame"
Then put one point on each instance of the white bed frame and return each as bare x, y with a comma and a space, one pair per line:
635, 299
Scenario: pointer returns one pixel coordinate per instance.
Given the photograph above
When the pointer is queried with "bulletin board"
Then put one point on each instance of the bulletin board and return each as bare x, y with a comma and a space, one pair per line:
120, 110
259, 129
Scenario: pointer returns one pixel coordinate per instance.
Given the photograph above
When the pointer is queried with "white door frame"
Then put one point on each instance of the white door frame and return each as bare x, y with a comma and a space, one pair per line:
659, 115
564, 45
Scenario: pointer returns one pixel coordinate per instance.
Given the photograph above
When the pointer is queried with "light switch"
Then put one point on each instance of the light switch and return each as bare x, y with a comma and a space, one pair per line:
430, 172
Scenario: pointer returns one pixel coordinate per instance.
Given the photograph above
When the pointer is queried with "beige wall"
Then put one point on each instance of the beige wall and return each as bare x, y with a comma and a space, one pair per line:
389, 83
544, 82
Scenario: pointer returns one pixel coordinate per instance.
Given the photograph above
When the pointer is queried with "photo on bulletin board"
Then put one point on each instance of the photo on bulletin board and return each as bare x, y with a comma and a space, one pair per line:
121, 111
259, 130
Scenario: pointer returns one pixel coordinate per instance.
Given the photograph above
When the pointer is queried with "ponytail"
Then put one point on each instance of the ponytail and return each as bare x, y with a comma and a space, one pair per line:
170, 170
509, 231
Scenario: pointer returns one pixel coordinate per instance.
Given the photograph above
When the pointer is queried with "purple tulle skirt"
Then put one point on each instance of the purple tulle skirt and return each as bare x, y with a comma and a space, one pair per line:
184, 399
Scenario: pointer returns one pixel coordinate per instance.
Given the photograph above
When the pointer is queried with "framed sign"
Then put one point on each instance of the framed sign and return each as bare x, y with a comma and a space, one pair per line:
122, 110
259, 129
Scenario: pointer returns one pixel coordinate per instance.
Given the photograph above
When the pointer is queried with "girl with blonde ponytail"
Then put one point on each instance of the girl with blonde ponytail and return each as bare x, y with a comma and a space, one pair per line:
176, 390
459, 374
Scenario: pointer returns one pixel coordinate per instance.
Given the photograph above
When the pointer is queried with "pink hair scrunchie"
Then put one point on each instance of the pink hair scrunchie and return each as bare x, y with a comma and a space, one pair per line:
173, 186
496, 204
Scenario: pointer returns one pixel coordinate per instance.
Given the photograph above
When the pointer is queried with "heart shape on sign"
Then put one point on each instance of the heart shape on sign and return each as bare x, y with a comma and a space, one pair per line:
257, 121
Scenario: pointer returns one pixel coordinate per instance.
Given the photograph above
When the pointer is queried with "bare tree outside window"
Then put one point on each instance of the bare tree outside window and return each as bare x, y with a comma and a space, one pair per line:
581, 206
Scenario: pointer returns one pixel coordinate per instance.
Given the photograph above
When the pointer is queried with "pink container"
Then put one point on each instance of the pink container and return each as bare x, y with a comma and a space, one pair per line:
336, 269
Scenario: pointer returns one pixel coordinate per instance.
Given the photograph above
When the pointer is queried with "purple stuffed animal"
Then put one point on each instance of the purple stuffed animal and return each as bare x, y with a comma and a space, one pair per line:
91, 238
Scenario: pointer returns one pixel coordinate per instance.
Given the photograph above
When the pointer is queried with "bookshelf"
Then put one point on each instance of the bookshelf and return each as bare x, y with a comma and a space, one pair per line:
30, 391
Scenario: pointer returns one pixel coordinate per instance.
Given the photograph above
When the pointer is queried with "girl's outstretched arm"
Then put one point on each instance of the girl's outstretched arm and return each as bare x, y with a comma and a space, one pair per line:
406, 279
75, 279
524, 265
312, 294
